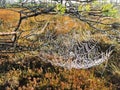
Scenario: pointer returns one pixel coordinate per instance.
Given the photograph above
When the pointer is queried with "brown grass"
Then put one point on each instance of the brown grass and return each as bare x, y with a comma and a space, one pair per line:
31, 73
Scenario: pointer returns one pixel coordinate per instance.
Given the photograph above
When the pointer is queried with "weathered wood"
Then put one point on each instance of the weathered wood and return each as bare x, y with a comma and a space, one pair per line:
7, 42
7, 33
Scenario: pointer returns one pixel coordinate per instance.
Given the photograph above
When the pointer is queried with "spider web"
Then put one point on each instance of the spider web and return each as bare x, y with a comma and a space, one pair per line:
69, 52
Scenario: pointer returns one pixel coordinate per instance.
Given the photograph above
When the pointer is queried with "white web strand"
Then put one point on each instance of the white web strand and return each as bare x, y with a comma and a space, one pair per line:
81, 61
70, 53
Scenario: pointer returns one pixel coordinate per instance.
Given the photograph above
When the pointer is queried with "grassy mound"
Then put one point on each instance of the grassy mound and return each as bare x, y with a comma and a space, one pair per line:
26, 71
